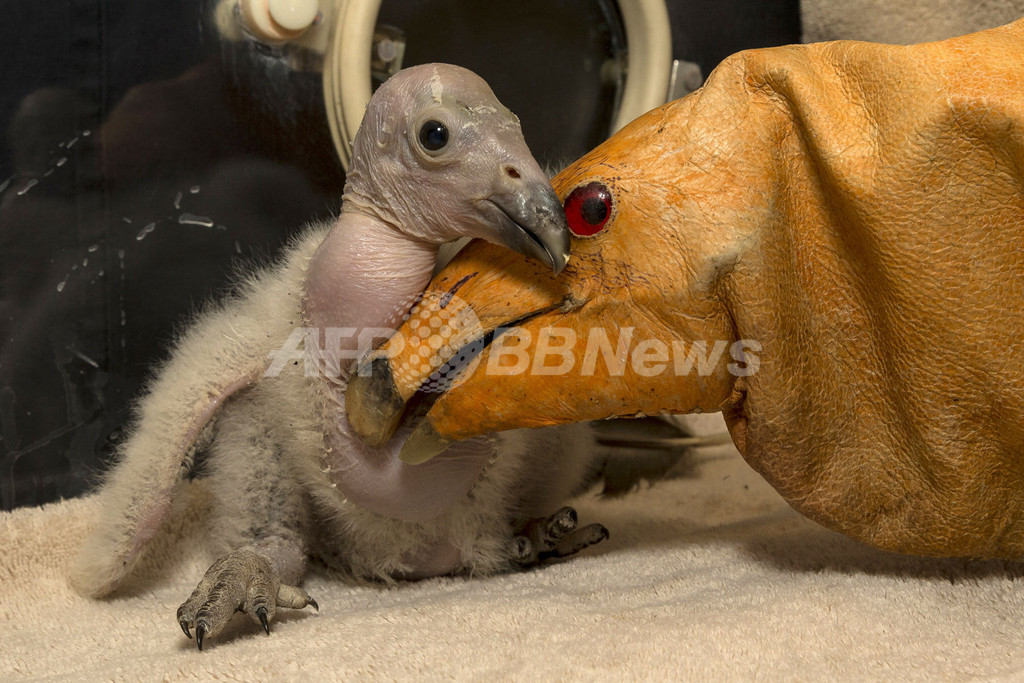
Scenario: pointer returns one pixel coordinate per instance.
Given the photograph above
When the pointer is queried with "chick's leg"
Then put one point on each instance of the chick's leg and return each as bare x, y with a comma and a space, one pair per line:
259, 516
542, 485
546, 538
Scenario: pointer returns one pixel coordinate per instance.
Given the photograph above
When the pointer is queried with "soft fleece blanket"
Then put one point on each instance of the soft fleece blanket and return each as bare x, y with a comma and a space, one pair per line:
706, 577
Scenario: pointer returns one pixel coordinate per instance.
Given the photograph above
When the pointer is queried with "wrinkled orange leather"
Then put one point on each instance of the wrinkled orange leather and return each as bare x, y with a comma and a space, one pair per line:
857, 209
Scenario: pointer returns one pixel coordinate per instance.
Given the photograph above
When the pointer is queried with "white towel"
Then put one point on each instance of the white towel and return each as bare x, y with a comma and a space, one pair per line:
712, 577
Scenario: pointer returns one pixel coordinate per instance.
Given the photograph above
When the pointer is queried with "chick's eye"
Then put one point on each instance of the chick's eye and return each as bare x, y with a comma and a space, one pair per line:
433, 136
588, 208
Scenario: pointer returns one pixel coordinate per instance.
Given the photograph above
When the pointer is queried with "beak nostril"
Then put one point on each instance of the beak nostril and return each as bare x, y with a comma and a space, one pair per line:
512, 172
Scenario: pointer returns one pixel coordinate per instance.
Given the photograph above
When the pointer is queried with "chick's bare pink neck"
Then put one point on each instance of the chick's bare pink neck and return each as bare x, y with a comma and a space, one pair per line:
366, 274
363, 272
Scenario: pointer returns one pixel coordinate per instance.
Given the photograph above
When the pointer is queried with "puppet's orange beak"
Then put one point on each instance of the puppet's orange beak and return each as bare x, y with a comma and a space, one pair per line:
484, 292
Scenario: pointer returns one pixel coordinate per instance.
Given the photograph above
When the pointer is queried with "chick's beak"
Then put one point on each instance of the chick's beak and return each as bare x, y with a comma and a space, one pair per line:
529, 219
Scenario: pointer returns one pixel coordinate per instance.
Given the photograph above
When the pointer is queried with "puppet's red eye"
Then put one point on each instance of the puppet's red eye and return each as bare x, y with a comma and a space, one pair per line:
588, 208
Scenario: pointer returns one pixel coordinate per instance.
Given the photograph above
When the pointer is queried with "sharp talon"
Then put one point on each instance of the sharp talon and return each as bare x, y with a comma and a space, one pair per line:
521, 548
562, 523
571, 520
200, 632
311, 601
184, 627
261, 612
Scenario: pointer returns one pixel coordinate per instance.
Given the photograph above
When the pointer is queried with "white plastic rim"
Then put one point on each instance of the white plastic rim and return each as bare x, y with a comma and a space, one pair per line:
347, 85
649, 41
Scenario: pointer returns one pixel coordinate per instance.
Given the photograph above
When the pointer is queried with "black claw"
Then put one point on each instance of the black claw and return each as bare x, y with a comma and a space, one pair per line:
261, 612
184, 627
521, 548
562, 523
312, 602
200, 632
